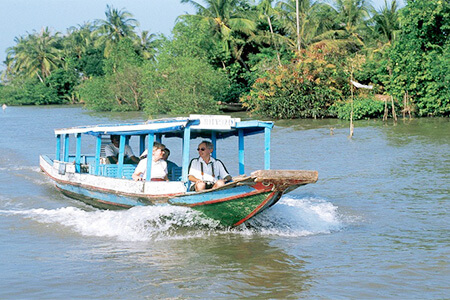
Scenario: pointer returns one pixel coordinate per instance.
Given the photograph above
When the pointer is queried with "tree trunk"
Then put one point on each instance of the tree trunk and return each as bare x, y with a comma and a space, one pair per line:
274, 42
297, 13
394, 115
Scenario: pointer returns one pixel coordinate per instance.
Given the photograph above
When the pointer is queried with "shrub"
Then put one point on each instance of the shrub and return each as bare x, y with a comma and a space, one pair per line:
303, 89
182, 85
29, 91
363, 108
95, 92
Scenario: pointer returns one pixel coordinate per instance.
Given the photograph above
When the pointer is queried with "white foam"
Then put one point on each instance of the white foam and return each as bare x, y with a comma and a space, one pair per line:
298, 217
289, 217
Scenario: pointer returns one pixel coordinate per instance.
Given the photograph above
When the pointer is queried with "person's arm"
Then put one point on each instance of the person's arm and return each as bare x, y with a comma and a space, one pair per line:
137, 176
129, 152
139, 171
194, 179
223, 172
135, 159
109, 151
193, 172
111, 154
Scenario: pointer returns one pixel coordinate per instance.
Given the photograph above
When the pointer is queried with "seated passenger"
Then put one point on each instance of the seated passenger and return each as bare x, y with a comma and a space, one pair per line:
205, 172
159, 165
112, 152
170, 164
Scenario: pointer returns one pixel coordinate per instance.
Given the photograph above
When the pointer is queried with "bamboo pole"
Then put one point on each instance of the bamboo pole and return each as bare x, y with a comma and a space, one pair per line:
352, 127
351, 116
394, 115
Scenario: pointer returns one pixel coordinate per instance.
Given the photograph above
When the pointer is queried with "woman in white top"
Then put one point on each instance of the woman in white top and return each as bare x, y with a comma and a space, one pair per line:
159, 165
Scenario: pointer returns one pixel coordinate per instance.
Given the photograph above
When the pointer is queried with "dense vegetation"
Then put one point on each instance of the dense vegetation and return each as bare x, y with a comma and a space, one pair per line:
285, 59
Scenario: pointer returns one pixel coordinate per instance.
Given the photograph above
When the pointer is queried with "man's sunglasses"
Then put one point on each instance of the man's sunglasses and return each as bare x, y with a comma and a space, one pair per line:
201, 149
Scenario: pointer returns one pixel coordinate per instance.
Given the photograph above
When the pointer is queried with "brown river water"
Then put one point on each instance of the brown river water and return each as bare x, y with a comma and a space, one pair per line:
375, 225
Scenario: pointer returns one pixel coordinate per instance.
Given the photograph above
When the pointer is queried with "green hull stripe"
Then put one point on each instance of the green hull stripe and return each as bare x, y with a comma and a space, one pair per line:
233, 211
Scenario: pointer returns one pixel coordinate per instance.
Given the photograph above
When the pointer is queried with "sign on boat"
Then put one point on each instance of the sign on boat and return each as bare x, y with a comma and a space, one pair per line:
109, 186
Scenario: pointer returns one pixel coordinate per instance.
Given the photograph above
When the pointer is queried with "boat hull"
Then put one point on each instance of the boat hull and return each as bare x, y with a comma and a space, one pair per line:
231, 205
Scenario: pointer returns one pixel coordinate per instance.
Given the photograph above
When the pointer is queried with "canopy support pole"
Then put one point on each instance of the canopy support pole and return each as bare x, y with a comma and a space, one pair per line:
66, 147
121, 158
185, 159
58, 147
241, 152
150, 141
214, 142
267, 148
78, 154
98, 150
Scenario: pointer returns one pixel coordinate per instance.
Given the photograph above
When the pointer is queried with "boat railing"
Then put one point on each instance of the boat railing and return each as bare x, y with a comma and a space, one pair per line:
87, 163
110, 170
174, 173
84, 159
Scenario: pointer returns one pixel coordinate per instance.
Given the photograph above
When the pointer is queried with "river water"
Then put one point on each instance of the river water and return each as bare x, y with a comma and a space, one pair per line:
375, 225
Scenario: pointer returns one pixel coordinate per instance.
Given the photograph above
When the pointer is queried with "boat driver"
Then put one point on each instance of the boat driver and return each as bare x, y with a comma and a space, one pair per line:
205, 172
112, 152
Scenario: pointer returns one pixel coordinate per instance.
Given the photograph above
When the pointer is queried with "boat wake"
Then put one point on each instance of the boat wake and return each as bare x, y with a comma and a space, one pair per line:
290, 217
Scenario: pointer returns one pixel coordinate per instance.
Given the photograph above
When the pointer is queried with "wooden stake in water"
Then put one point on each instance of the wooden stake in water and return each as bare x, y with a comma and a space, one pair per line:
357, 85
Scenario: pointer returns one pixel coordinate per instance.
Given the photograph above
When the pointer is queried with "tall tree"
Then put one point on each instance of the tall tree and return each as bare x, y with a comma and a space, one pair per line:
350, 19
37, 54
146, 43
267, 11
386, 21
79, 39
226, 22
118, 24
299, 18
420, 57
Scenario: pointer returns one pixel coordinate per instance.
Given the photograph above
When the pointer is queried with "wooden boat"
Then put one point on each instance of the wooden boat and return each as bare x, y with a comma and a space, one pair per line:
109, 186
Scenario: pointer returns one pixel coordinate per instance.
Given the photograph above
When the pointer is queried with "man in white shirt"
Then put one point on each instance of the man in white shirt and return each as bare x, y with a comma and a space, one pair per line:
112, 152
205, 172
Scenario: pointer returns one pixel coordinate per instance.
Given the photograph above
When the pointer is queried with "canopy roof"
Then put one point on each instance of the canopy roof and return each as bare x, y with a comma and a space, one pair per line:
200, 125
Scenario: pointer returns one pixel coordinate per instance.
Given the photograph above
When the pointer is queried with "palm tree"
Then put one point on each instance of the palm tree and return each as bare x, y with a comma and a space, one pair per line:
266, 11
37, 54
8, 72
299, 20
350, 17
227, 23
79, 39
146, 44
118, 24
351, 13
386, 21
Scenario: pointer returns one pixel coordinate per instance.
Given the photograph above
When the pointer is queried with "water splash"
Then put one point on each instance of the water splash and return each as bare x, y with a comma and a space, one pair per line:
290, 217
297, 217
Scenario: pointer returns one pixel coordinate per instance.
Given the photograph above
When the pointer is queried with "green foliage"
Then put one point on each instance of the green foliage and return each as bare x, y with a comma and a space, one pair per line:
122, 55
182, 85
95, 92
191, 37
375, 71
233, 48
122, 83
91, 63
63, 82
363, 108
300, 90
420, 59
29, 91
